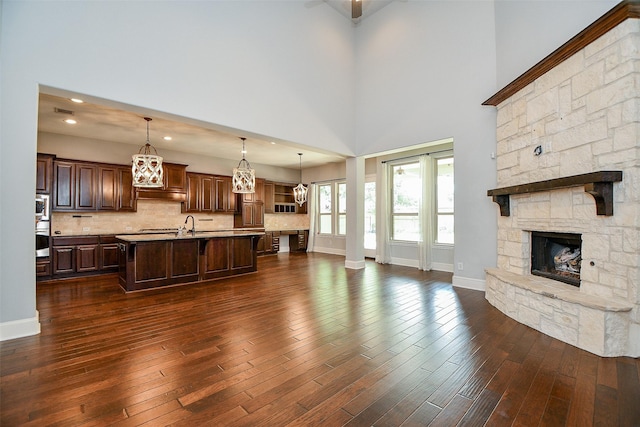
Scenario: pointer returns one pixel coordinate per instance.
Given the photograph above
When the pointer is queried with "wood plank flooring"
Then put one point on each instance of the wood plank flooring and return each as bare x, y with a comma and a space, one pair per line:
302, 342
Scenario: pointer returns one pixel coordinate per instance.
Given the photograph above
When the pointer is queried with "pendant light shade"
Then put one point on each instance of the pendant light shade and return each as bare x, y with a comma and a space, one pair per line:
147, 167
300, 191
244, 178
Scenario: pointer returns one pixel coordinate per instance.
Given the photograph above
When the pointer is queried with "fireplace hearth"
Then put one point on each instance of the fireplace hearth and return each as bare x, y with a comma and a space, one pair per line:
556, 256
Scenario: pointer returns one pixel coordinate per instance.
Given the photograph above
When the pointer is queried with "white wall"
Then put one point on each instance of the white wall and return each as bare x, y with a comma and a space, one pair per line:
425, 68
529, 30
276, 68
70, 147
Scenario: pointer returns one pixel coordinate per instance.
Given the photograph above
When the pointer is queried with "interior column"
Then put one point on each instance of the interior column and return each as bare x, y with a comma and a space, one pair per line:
355, 213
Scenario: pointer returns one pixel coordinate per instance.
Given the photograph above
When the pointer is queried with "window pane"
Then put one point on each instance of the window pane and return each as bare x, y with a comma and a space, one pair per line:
445, 229
445, 185
325, 224
370, 215
342, 224
325, 198
342, 198
407, 187
406, 228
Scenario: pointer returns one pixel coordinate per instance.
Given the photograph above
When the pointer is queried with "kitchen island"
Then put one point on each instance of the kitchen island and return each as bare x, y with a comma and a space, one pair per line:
148, 261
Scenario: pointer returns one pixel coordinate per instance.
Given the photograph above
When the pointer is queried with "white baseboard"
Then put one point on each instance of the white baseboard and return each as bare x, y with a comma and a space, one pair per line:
332, 251
405, 262
354, 265
469, 283
20, 328
441, 266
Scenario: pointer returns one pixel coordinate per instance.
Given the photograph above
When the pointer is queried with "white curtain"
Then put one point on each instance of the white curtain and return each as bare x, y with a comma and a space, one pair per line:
425, 214
383, 248
311, 208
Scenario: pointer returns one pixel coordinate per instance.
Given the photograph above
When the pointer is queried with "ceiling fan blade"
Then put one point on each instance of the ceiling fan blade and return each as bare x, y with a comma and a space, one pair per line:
356, 9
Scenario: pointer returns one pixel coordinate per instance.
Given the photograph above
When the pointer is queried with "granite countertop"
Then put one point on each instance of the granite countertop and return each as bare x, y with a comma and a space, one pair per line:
187, 235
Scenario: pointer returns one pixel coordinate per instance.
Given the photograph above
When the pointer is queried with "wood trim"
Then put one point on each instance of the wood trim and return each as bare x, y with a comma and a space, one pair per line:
624, 10
598, 184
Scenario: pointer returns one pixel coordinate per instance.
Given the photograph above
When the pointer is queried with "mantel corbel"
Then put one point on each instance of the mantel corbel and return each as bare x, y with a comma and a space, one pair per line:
598, 184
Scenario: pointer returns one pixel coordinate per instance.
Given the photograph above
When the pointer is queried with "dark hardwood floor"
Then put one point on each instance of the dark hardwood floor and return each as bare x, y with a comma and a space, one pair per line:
302, 342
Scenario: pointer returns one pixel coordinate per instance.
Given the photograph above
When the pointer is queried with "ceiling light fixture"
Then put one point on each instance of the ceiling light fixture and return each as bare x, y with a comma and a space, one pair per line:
70, 121
244, 178
76, 100
300, 191
167, 138
147, 167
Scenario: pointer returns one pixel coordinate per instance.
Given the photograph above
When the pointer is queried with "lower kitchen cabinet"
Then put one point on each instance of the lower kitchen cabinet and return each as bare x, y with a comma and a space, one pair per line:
43, 267
80, 255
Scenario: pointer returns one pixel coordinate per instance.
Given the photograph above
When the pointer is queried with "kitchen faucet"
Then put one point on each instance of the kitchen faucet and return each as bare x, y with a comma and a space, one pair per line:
193, 223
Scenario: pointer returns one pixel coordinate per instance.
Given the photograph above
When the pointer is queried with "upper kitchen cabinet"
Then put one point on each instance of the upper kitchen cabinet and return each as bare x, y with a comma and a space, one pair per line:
84, 186
282, 201
250, 208
200, 193
115, 189
44, 173
225, 200
74, 186
174, 185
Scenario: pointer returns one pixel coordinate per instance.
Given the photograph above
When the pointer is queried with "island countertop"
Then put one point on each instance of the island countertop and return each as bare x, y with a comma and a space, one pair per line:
130, 238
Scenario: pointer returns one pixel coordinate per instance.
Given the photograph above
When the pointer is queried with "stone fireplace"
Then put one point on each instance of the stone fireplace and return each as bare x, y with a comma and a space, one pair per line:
568, 167
557, 256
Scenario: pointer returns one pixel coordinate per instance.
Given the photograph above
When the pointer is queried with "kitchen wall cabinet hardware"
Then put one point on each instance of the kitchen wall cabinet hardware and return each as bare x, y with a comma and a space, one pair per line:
174, 185
44, 173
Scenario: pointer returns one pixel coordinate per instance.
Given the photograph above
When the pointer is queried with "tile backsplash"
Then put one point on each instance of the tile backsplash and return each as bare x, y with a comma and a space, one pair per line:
157, 214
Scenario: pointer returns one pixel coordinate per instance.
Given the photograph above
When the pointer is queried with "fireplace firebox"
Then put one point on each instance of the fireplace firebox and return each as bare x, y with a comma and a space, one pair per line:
556, 256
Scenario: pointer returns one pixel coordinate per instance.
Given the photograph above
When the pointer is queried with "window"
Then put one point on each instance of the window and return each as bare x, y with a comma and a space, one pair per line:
332, 216
342, 208
444, 200
324, 209
406, 188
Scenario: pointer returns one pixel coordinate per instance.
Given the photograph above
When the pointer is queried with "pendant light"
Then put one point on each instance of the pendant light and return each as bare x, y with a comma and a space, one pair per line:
300, 191
147, 167
244, 178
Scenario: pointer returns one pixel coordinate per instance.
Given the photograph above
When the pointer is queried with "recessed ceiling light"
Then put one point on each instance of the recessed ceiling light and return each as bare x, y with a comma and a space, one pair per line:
76, 100
167, 138
70, 121
273, 143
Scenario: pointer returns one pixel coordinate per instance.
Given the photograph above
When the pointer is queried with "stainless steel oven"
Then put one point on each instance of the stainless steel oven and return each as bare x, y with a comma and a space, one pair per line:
42, 207
43, 227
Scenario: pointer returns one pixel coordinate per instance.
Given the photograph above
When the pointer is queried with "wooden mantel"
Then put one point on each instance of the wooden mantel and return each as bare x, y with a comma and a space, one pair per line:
598, 184
621, 12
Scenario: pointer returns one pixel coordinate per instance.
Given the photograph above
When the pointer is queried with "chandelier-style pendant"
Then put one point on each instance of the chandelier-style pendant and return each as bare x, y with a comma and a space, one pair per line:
244, 178
300, 191
146, 167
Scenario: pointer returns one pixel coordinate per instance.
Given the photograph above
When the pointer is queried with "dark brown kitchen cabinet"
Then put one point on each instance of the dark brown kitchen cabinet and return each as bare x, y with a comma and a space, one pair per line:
108, 254
298, 241
64, 188
43, 268
174, 178
268, 197
225, 199
74, 186
126, 191
250, 206
75, 254
44, 173
200, 193
282, 200
108, 184
115, 189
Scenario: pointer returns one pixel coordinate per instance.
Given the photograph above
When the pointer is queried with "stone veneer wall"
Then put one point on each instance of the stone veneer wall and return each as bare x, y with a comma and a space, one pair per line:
585, 114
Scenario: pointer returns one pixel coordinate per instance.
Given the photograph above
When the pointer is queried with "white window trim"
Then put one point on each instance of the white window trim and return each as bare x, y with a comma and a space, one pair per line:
334, 209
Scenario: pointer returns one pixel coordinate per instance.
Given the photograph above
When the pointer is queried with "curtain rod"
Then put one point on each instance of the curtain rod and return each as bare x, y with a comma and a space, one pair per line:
417, 155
